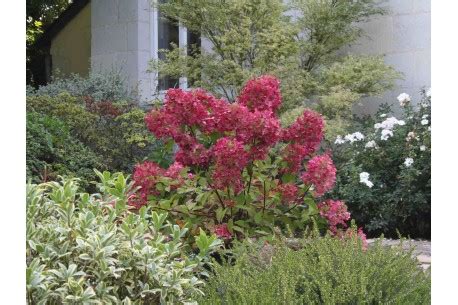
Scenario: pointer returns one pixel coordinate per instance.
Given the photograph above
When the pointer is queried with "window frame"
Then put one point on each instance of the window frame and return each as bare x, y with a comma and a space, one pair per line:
154, 34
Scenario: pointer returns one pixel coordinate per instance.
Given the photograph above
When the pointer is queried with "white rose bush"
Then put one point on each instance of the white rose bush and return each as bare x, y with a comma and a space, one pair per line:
384, 169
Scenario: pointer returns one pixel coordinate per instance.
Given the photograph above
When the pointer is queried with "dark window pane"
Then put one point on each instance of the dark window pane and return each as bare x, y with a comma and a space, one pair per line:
193, 49
168, 34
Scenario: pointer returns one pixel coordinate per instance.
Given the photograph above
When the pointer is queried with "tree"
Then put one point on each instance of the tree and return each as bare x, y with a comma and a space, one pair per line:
40, 14
299, 43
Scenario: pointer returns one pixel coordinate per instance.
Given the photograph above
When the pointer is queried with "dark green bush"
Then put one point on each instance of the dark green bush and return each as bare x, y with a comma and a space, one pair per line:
115, 131
398, 197
51, 151
324, 271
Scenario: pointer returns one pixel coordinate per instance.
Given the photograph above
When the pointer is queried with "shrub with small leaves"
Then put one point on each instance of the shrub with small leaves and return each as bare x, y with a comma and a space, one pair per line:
322, 271
90, 249
100, 86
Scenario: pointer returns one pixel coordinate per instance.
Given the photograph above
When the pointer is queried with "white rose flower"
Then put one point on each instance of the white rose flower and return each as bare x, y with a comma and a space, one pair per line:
383, 115
429, 128
389, 123
356, 136
425, 116
408, 162
403, 99
364, 179
359, 136
339, 140
424, 122
422, 147
410, 136
386, 133
371, 144
428, 92
349, 138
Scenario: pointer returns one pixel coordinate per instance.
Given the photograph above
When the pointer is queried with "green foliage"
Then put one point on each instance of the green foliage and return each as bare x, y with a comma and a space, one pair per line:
115, 131
34, 28
107, 86
254, 37
39, 15
400, 198
45, 10
360, 75
254, 212
52, 151
89, 249
323, 271
245, 35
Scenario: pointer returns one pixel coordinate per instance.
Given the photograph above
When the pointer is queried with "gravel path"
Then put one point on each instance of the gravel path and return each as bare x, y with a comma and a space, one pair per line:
422, 249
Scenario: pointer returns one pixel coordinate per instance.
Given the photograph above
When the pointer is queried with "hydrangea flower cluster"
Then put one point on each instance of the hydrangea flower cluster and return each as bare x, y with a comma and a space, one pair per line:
222, 144
321, 173
261, 94
289, 193
335, 212
337, 215
304, 137
230, 160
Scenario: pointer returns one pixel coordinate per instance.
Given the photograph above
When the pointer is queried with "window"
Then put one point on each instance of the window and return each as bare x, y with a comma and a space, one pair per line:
168, 34
165, 33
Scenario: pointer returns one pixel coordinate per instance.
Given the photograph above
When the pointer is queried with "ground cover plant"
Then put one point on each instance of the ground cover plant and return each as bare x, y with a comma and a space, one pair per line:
324, 270
89, 249
237, 172
384, 170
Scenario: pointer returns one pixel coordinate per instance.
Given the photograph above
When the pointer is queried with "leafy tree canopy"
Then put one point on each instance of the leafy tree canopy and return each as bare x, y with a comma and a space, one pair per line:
299, 42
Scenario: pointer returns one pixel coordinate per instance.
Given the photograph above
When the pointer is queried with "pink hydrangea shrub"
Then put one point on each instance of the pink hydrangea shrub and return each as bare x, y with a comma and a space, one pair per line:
236, 184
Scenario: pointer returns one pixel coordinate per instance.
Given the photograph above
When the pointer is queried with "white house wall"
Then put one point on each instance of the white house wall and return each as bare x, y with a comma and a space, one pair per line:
122, 31
121, 41
404, 38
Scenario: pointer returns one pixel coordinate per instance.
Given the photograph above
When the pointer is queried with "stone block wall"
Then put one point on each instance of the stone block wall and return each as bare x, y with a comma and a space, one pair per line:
121, 41
404, 38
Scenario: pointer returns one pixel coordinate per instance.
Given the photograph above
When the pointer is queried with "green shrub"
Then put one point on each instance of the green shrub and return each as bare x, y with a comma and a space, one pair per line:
52, 151
115, 131
89, 249
397, 194
108, 86
324, 271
